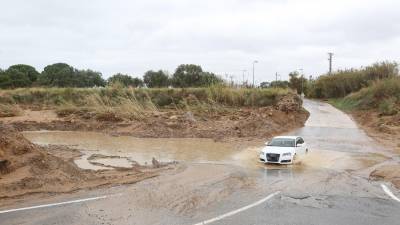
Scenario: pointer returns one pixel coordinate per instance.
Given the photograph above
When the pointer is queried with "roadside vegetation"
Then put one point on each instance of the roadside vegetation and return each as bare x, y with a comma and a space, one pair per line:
343, 82
9, 110
382, 95
131, 103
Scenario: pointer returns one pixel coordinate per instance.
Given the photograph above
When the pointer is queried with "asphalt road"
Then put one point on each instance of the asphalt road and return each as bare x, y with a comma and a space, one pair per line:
331, 186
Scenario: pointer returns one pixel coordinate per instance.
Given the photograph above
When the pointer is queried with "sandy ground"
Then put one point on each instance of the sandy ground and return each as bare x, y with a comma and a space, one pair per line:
386, 131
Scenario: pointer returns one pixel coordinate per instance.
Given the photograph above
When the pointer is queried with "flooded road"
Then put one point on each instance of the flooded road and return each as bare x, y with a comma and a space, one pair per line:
330, 185
142, 150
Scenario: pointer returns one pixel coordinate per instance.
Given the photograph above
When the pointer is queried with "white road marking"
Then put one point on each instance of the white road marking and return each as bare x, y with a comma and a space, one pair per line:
388, 192
238, 210
58, 204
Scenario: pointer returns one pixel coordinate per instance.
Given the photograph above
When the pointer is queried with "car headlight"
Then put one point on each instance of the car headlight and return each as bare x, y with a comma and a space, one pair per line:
287, 154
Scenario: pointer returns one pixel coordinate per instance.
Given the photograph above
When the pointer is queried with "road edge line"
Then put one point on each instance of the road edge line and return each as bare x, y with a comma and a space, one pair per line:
55, 204
390, 193
231, 213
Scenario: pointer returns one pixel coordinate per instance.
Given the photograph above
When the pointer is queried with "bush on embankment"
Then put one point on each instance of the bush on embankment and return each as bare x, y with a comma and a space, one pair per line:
344, 82
383, 95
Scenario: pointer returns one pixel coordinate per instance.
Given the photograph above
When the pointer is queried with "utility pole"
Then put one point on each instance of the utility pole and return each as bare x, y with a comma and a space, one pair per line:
254, 62
276, 79
330, 62
231, 76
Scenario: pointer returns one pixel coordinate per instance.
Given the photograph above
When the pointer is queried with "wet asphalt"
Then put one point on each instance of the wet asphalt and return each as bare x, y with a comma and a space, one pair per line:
334, 189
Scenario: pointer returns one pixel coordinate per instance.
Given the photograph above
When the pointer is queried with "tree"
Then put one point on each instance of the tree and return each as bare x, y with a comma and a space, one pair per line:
207, 79
27, 70
156, 79
4, 79
58, 75
64, 75
280, 84
18, 76
264, 84
189, 75
297, 83
89, 78
125, 80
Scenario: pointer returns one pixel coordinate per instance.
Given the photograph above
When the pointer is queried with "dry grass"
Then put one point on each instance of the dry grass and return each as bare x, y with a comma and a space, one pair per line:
9, 110
115, 103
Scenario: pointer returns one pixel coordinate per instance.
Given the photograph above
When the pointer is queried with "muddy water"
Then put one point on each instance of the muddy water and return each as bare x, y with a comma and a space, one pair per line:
334, 140
132, 150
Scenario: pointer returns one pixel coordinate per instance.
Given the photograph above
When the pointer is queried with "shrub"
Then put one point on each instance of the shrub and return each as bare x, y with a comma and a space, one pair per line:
383, 95
345, 82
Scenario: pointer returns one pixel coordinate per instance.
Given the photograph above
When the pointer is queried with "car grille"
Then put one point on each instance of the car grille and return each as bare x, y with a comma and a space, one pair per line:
271, 157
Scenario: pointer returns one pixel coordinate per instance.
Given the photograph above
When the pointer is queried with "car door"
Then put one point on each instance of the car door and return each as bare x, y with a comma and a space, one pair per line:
300, 146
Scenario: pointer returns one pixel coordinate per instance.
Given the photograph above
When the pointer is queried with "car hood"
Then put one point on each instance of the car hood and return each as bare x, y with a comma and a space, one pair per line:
277, 150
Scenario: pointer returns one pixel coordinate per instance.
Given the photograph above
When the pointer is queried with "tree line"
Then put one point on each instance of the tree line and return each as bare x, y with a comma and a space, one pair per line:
64, 75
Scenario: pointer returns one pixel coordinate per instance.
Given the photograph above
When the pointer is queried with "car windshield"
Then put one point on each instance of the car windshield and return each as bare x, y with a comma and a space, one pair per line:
281, 142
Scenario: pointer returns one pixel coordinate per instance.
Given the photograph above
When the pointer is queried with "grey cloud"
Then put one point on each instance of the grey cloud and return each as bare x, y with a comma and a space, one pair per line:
222, 36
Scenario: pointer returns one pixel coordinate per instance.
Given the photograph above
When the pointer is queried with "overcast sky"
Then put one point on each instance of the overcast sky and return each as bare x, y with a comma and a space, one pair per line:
132, 36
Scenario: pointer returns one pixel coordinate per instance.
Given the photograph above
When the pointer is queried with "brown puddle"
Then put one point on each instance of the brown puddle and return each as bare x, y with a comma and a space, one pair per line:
125, 151
142, 150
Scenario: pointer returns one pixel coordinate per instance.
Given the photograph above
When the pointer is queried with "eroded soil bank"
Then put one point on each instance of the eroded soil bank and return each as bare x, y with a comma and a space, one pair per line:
238, 123
28, 168
386, 131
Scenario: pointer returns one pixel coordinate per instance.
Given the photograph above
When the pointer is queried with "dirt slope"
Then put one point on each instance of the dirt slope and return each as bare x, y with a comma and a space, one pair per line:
28, 168
242, 122
385, 130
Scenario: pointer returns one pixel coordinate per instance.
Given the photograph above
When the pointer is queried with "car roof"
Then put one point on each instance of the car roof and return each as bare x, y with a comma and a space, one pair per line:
289, 137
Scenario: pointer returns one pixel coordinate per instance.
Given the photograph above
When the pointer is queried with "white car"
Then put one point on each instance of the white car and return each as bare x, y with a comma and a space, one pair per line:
283, 149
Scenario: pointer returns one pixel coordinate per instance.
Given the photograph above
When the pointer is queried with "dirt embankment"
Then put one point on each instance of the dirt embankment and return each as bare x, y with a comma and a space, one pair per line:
27, 168
385, 130
239, 122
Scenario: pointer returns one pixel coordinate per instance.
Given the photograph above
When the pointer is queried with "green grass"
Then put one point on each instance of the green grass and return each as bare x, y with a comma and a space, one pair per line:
343, 104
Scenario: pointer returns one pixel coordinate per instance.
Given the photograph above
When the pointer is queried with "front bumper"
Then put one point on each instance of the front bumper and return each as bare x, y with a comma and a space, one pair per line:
275, 158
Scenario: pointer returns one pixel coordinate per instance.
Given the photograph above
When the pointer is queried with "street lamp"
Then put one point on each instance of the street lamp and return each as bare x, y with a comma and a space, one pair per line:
254, 62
